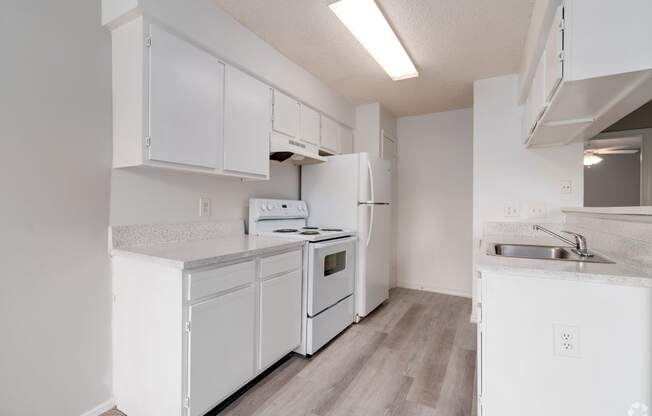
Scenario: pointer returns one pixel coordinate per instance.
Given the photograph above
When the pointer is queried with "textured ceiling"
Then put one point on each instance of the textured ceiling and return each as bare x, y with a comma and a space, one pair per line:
452, 43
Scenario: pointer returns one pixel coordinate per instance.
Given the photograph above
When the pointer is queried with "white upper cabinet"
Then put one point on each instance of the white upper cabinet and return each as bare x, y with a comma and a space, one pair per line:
285, 114
536, 100
185, 97
247, 124
310, 126
330, 135
554, 56
596, 67
177, 106
170, 100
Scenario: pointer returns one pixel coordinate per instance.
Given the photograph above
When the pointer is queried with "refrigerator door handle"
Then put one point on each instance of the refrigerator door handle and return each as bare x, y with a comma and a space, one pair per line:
371, 225
371, 180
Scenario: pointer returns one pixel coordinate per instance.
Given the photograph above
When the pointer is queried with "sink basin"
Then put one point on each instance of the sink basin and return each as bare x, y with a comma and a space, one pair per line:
528, 251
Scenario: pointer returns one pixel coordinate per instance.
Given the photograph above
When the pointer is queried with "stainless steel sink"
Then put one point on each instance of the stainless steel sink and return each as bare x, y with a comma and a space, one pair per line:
528, 251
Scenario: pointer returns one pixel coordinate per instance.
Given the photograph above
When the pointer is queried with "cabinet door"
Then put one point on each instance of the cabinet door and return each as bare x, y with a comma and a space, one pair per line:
310, 126
221, 348
280, 317
330, 135
526, 126
247, 124
554, 70
536, 99
286, 114
185, 102
346, 141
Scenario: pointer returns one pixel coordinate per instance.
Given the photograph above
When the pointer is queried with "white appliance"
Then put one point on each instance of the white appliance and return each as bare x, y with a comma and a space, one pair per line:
328, 267
354, 191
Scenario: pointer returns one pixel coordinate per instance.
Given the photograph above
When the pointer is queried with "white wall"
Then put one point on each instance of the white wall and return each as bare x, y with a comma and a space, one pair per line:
435, 174
370, 120
505, 171
204, 23
55, 124
149, 196
367, 129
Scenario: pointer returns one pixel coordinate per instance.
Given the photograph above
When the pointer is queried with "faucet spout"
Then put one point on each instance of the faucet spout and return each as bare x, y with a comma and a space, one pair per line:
580, 246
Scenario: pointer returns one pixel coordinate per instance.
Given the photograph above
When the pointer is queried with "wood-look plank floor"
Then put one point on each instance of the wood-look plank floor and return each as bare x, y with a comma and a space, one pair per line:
414, 356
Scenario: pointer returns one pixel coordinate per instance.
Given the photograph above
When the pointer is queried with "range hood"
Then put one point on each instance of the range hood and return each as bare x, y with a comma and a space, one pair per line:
282, 148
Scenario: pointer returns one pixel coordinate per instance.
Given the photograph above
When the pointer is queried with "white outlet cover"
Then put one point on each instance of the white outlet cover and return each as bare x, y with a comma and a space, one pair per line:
566, 187
512, 209
536, 211
204, 207
566, 340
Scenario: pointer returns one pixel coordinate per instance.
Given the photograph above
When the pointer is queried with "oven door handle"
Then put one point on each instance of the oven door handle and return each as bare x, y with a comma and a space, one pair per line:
330, 243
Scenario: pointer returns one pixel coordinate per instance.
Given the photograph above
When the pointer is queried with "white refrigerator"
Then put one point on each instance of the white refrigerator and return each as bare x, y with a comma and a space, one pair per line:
353, 191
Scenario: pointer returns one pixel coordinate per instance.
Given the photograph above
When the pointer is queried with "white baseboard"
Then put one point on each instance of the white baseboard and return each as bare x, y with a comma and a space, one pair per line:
442, 290
100, 408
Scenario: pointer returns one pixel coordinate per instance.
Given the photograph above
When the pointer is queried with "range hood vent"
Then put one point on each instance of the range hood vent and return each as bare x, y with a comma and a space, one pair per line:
282, 148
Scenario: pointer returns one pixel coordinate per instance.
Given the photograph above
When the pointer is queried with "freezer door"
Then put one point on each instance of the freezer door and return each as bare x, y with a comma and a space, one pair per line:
372, 282
375, 179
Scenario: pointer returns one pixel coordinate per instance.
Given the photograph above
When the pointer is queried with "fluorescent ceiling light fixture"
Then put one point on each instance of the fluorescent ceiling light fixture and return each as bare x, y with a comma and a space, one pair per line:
367, 23
591, 159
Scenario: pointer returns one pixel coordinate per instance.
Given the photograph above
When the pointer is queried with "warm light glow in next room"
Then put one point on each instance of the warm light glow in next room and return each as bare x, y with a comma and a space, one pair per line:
367, 23
591, 159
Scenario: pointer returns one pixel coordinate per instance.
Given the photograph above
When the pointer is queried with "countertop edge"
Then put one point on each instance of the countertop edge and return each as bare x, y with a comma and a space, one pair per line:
208, 261
642, 281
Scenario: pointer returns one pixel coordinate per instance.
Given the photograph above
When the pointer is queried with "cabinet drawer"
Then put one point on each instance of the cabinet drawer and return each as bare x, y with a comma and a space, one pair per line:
280, 263
207, 282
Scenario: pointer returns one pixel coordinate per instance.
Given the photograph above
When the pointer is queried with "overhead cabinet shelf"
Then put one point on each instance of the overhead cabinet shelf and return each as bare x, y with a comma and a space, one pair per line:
587, 79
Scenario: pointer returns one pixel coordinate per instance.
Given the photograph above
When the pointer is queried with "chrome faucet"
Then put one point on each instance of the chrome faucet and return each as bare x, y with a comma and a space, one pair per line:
580, 247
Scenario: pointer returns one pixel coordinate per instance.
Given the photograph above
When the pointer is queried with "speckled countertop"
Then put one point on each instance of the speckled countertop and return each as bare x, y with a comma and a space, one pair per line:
199, 253
616, 273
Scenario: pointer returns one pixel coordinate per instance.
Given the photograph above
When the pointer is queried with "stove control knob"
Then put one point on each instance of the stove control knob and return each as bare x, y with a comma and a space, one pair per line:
270, 207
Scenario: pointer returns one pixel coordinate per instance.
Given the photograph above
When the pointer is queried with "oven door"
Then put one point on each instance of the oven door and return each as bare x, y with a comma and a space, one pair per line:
331, 273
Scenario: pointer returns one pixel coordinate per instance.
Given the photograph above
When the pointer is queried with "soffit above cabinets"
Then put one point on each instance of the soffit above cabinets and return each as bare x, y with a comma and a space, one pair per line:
452, 43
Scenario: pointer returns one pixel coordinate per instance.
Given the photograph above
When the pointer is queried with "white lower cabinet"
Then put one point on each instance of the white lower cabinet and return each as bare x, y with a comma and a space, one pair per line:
220, 348
185, 340
280, 317
551, 346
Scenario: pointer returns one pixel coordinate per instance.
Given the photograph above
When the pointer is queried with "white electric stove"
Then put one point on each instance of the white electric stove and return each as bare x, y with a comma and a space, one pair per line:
328, 267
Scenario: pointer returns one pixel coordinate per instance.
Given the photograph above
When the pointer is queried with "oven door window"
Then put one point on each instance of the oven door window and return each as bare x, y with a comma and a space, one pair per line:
334, 263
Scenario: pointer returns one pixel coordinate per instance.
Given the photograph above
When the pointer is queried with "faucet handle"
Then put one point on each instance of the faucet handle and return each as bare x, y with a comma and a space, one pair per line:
578, 237
580, 244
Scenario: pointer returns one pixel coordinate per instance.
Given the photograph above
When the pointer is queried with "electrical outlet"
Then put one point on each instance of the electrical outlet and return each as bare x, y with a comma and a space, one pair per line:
512, 209
567, 340
536, 211
204, 207
566, 187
